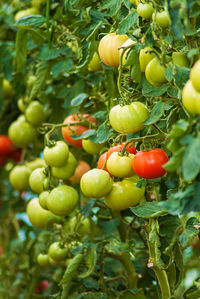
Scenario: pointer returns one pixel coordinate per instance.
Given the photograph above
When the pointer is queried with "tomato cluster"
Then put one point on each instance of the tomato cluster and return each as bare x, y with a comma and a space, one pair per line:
8, 150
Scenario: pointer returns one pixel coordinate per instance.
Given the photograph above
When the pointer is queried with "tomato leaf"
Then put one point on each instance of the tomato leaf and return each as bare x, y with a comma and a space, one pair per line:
149, 210
133, 59
190, 231
191, 160
156, 114
41, 74
91, 260
78, 100
31, 20
150, 91
128, 22
85, 134
21, 49
87, 209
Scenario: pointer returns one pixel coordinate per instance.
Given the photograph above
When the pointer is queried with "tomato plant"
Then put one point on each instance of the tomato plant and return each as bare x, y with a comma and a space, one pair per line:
56, 252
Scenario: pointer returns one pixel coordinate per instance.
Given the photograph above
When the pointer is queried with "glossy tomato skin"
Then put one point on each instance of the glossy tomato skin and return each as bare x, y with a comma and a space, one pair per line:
91, 147
145, 10
62, 200
43, 199
109, 48
101, 164
57, 154
128, 118
43, 260
21, 133
124, 194
81, 168
120, 166
35, 113
6, 145
191, 98
155, 71
37, 180
38, 216
37, 163
67, 170
148, 165
75, 129
19, 177
194, 75
96, 183
145, 57
95, 63
56, 252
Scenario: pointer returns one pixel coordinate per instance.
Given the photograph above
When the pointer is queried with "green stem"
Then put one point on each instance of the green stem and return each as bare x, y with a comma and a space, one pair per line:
121, 227
48, 23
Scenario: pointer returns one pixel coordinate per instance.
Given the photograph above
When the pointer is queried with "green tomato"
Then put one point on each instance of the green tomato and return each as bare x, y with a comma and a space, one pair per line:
83, 227
56, 252
35, 113
96, 183
21, 133
26, 12
20, 105
120, 166
95, 63
67, 170
145, 57
37, 180
91, 147
37, 163
38, 216
180, 59
7, 88
195, 75
31, 81
191, 98
56, 155
162, 19
43, 199
155, 71
62, 200
145, 10
37, 3
43, 260
124, 194
128, 118
19, 177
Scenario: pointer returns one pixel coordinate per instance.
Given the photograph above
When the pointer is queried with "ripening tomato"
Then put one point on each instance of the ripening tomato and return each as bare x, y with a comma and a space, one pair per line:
81, 168
101, 164
21, 133
62, 200
37, 180
155, 72
57, 252
35, 113
180, 59
124, 194
120, 166
67, 170
96, 183
57, 154
128, 118
6, 145
75, 130
148, 165
95, 63
194, 75
26, 12
41, 286
162, 19
19, 177
91, 147
109, 48
43, 260
191, 98
117, 148
145, 10
38, 216
145, 57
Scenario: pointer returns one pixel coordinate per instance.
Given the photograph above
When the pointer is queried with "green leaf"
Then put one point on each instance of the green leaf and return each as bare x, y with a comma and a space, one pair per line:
175, 161
103, 133
156, 113
128, 22
85, 134
191, 160
182, 76
48, 53
90, 283
150, 91
149, 210
78, 100
189, 232
179, 128
87, 209
91, 260
31, 20
41, 74
62, 66
133, 59
21, 49
169, 73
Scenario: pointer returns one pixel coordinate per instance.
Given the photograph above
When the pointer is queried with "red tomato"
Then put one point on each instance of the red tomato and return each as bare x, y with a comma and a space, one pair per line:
102, 162
130, 148
6, 145
42, 286
148, 165
69, 131
16, 155
3, 160
117, 148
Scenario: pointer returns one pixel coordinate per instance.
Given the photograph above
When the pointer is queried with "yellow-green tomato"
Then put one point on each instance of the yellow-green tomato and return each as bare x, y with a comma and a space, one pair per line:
19, 177
20, 105
57, 252
37, 3
21, 133
26, 12
191, 98
62, 200
43, 199
37, 180
162, 19
43, 260
38, 216
145, 10
83, 226
120, 166
91, 147
155, 71
124, 194
95, 63
145, 57
180, 59
35, 113
57, 154
109, 48
128, 118
96, 183
195, 75
67, 170
37, 163
31, 81
127, 43
7, 88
